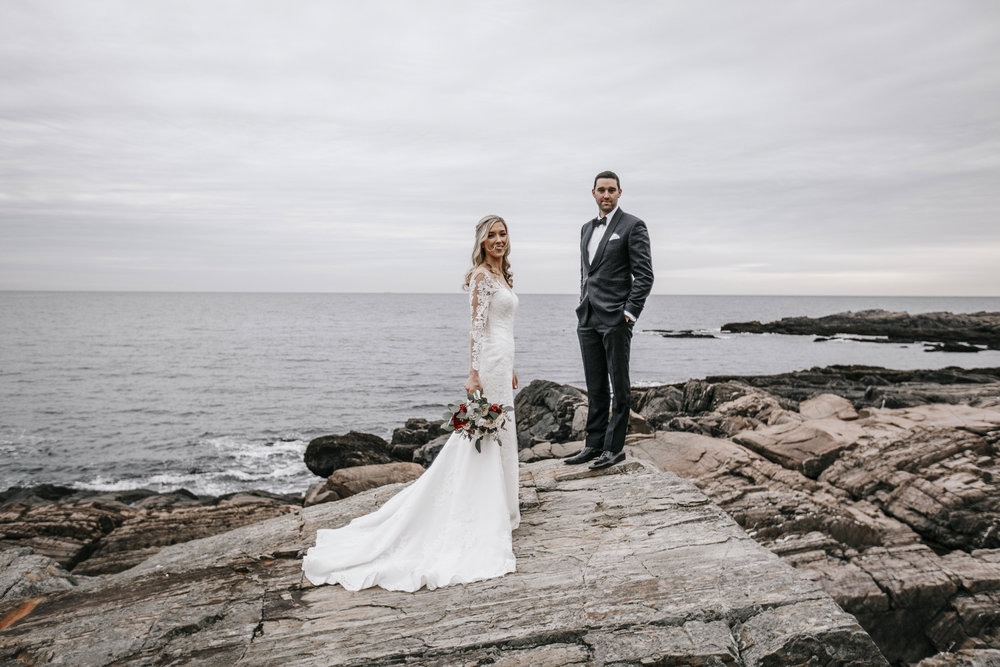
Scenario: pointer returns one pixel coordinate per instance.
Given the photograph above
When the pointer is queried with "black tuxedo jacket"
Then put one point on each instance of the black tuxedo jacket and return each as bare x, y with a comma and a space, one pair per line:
621, 275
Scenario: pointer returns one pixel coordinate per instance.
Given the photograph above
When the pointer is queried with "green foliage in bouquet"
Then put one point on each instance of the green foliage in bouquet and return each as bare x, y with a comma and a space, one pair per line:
477, 418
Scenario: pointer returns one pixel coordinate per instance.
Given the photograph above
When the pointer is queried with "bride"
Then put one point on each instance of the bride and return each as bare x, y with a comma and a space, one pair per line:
453, 524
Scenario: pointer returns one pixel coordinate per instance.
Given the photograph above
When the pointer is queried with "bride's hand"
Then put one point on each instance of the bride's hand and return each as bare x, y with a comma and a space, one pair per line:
514, 384
472, 385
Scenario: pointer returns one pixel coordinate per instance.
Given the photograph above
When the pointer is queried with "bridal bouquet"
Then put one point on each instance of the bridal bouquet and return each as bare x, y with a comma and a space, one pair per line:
477, 417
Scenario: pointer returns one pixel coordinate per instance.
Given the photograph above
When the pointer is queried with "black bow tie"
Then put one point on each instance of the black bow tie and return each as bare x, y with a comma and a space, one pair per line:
597, 222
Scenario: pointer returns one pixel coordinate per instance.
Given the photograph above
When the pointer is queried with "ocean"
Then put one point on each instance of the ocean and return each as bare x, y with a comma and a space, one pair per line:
221, 392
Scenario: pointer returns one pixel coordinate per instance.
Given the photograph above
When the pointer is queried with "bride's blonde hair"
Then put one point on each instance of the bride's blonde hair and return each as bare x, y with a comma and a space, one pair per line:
479, 253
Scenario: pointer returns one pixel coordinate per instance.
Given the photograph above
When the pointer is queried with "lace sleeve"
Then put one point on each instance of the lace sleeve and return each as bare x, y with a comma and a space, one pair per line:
481, 291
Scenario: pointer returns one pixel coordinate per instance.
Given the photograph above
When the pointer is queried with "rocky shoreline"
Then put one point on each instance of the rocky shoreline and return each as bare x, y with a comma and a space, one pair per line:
880, 487
942, 331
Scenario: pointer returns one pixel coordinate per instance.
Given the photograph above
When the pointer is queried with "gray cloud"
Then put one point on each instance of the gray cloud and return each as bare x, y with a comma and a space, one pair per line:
773, 147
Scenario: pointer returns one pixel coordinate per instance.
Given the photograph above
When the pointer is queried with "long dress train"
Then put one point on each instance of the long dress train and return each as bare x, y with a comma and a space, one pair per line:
453, 524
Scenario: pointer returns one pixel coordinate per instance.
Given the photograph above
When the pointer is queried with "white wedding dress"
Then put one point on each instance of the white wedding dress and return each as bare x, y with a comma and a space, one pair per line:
453, 524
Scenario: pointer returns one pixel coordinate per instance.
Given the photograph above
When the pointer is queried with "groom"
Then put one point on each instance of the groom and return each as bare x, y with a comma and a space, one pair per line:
616, 275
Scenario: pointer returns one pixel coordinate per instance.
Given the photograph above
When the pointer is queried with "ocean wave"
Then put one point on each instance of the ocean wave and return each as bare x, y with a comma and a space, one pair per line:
283, 479
241, 448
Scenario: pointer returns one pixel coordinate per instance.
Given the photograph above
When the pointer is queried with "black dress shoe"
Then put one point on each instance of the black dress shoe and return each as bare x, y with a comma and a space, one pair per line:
607, 460
584, 455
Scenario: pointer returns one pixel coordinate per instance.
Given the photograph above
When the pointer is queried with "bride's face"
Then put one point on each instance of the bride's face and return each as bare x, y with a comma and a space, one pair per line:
495, 244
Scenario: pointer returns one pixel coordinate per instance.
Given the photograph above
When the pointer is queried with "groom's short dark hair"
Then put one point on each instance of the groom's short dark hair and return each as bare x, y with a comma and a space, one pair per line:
608, 174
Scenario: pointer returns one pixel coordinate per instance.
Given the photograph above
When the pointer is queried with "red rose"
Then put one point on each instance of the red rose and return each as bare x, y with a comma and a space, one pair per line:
458, 424
495, 408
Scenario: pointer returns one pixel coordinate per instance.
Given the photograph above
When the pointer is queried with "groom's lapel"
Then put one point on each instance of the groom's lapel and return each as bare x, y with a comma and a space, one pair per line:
584, 244
604, 240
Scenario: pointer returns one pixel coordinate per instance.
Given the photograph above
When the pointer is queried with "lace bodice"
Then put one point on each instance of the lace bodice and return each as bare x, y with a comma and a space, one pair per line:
492, 304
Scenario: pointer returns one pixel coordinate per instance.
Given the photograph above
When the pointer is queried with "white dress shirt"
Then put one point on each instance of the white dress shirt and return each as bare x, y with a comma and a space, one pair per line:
595, 240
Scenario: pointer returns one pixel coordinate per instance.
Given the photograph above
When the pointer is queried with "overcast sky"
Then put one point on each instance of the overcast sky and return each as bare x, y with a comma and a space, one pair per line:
772, 147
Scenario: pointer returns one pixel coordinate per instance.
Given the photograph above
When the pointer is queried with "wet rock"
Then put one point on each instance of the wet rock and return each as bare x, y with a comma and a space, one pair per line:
327, 453
953, 347
41, 494
680, 333
980, 328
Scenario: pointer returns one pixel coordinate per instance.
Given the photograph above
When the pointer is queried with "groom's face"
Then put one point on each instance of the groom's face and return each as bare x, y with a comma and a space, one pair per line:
606, 194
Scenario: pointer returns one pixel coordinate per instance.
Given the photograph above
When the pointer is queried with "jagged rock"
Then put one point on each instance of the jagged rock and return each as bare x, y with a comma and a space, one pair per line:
772, 503
980, 328
347, 482
99, 537
425, 454
933, 467
66, 533
327, 453
970, 621
549, 412
719, 409
48, 494
918, 588
627, 567
873, 386
24, 574
406, 439
657, 404
912, 600
148, 531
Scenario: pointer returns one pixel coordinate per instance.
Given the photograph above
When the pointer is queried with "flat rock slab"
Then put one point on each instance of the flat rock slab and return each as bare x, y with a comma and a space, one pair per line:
628, 566
809, 447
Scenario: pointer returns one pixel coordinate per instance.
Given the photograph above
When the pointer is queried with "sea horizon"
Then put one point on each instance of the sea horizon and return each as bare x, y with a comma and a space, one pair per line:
443, 292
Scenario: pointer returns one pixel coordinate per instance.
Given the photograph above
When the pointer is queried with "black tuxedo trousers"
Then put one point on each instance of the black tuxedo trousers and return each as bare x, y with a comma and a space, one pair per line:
605, 357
